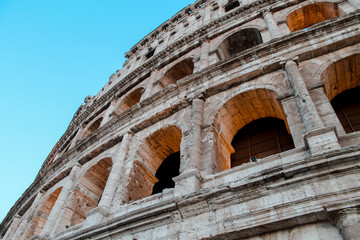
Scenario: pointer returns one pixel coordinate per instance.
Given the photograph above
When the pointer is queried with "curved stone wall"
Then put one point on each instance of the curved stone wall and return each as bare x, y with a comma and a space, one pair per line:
187, 89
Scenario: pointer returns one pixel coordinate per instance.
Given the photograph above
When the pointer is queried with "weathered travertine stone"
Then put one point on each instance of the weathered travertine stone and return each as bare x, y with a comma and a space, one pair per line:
206, 133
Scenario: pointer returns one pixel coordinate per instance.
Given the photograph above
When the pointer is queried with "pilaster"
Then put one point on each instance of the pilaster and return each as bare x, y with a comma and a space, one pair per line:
53, 219
317, 137
27, 217
190, 179
96, 215
271, 24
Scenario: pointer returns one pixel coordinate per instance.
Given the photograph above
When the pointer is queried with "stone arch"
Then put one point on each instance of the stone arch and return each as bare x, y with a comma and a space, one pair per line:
87, 193
177, 72
341, 79
239, 41
311, 14
95, 125
238, 112
129, 100
156, 147
42, 214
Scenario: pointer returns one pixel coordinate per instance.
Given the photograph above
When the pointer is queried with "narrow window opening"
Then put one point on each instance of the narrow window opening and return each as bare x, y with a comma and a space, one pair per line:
150, 53
232, 5
168, 169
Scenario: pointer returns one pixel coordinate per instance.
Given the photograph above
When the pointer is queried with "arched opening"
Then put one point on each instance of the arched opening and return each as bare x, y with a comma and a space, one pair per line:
42, 215
347, 107
235, 122
311, 14
92, 128
129, 100
342, 83
168, 169
239, 41
177, 72
260, 138
160, 162
87, 194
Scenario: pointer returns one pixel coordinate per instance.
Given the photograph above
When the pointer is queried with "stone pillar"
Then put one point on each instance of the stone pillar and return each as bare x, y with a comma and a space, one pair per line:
108, 113
354, 3
27, 217
271, 24
317, 137
348, 222
60, 202
190, 179
149, 86
95, 216
15, 223
204, 55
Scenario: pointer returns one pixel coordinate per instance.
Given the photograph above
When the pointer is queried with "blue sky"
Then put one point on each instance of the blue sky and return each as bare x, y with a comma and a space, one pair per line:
54, 53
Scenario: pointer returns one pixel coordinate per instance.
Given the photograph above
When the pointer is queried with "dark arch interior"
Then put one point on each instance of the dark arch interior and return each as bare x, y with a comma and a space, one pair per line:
168, 169
177, 72
347, 108
240, 41
260, 138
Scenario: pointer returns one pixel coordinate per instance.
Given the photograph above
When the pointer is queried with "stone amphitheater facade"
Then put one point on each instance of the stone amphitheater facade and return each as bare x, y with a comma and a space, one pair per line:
232, 120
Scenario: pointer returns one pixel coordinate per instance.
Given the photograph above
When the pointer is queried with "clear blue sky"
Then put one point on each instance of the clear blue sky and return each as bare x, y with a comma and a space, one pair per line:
53, 53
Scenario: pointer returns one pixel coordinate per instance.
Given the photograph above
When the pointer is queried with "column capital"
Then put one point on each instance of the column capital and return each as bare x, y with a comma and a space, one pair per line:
285, 61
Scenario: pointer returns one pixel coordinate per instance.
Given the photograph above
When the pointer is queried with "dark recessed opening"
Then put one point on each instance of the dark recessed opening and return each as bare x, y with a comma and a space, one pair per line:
260, 138
231, 6
347, 108
168, 169
150, 53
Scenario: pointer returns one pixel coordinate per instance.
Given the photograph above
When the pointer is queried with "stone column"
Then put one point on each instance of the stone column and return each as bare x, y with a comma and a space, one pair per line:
348, 222
204, 55
354, 3
95, 216
190, 179
27, 217
108, 113
306, 106
271, 24
317, 137
60, 202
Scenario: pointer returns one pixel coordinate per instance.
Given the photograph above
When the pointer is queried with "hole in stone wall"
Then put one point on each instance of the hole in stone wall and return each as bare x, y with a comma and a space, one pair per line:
260, 138
311, 14
168, 169
239, 41
347, 107
230, 6
150, 53
177, 72
41, 216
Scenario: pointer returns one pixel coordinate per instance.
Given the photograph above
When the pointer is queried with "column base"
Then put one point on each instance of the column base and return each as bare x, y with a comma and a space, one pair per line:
95, 216
187, 182
322, 140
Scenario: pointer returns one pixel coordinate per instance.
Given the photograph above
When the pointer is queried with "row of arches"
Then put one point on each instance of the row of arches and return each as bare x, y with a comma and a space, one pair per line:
250, 124
236, 43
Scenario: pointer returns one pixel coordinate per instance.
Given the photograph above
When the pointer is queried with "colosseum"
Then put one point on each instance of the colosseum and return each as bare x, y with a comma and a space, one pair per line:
231, 120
